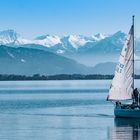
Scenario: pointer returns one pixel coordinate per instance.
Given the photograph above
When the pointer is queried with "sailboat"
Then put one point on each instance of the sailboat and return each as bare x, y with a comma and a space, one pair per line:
122, 87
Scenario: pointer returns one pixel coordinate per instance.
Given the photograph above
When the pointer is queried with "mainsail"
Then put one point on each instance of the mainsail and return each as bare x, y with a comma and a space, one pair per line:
122, 84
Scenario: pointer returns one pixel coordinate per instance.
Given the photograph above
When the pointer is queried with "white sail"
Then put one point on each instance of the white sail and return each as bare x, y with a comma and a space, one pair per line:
122, 84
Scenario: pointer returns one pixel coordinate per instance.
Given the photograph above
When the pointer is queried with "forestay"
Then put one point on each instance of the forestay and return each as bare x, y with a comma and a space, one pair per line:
122, 83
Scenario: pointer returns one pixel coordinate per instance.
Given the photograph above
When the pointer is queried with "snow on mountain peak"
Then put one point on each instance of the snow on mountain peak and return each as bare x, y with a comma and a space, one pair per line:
12, 37
48, 40
8, 36
23, 41
10, 32
99, 37
63, 44
78, 40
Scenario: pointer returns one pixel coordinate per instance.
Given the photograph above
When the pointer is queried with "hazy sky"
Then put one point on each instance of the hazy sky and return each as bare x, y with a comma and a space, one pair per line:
63, 17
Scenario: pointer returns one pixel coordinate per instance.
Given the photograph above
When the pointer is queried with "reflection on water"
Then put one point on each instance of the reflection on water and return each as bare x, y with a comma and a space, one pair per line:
125, 129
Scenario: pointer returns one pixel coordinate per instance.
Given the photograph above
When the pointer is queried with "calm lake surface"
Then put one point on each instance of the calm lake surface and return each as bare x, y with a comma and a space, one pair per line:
61, 110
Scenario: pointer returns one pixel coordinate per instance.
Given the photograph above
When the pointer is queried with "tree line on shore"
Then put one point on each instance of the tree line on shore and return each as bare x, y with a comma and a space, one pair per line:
12, 77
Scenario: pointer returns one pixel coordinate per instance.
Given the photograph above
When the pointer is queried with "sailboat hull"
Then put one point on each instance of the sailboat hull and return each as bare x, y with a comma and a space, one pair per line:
127, 113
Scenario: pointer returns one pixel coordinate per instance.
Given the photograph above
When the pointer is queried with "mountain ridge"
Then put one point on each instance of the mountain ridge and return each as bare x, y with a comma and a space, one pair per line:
87, 50
28, 61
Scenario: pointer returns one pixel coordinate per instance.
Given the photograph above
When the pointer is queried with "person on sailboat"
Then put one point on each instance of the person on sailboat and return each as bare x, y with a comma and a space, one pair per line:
135, 96
118, 104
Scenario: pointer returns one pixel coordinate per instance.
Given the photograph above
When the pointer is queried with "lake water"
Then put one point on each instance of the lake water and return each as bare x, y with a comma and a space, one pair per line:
61, 110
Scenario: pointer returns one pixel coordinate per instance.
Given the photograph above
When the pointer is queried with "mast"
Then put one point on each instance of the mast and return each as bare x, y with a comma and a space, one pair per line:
133, 50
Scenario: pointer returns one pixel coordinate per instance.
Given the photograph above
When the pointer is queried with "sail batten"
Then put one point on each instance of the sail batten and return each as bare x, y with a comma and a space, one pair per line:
122, 83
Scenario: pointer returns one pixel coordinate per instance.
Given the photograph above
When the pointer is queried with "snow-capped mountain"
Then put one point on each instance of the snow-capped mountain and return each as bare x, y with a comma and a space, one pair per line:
66, 43
88, 50
109, 44
47, 40
75, 41
10, 37
99, 51
78, 40
99, 37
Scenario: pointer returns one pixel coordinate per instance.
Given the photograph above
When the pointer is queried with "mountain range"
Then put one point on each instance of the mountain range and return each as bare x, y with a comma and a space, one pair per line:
27, 61
11, 37
85, 54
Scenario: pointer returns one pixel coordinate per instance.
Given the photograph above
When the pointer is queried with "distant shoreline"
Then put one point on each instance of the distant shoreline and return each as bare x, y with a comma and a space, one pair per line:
11, 77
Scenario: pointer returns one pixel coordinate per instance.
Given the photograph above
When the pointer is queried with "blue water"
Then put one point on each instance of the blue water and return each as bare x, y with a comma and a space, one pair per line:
61, 110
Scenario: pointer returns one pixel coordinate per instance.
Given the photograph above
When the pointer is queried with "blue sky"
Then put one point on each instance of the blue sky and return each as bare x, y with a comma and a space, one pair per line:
63, 17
